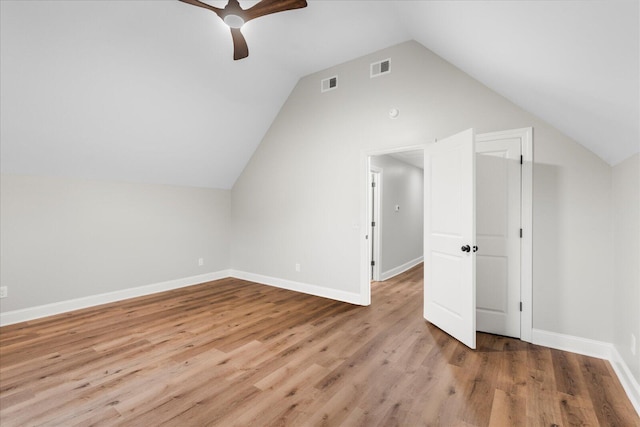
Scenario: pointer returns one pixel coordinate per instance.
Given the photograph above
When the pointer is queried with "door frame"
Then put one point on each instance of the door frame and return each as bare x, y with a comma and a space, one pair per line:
526, 212
376, 232
365, 217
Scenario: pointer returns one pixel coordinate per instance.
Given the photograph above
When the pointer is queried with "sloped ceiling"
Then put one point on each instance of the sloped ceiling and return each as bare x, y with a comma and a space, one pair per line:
147, 91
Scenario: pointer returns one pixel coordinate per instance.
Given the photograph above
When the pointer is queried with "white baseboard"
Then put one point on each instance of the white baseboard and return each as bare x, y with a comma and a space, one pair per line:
593, 348
31, 313
23, 315
584, 346
319, 291
628, 381
400, 269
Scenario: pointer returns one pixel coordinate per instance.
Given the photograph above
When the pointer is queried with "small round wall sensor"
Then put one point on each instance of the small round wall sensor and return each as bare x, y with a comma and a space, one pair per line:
394, 113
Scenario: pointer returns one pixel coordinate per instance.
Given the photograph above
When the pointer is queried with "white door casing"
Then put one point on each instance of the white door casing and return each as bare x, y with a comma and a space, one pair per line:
449, 258
498, 188
376, 222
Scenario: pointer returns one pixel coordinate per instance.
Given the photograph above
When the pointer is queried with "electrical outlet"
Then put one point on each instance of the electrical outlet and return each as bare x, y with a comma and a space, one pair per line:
298, 267
3, 292
200, 262
633, 344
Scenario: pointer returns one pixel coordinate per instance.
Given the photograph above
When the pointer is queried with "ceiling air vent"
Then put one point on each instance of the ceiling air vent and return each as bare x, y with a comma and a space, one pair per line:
329, 84
381, 67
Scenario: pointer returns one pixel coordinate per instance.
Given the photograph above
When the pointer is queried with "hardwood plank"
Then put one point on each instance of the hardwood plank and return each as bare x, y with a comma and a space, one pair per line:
507, 409
576, 411
513, 373
542, 406
568, 375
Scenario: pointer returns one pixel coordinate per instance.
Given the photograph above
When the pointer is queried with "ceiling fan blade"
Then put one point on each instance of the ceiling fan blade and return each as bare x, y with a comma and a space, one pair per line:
214, 9
240, 48
267, 7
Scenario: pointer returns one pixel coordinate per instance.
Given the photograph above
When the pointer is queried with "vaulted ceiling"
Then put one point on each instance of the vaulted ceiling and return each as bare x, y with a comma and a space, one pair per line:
147, 90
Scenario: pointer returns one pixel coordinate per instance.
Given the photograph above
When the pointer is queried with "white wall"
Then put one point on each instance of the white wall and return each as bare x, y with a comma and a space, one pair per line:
401, 232
626, 244
299, 198
572, 241
63, 238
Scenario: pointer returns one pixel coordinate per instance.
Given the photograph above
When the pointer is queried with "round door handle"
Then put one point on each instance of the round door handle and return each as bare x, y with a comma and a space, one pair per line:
466, 248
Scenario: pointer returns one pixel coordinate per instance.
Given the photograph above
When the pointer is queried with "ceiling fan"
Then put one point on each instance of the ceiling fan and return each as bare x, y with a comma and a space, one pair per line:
235, 17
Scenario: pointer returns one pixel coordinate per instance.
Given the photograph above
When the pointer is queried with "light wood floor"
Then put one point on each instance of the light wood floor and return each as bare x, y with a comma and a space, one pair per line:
236, 353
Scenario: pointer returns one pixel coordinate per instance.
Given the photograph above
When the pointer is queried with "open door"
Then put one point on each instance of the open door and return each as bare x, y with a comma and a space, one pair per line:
449, 236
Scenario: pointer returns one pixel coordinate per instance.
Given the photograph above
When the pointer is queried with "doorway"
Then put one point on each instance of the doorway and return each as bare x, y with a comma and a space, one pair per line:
397, 213
524, 306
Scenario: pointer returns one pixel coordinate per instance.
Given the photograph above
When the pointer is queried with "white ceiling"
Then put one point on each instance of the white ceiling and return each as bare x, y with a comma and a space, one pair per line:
147, 90
412, 157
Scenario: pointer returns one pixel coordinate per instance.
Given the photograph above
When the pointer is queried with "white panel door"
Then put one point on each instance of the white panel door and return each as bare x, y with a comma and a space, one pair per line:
449, 259
498, 190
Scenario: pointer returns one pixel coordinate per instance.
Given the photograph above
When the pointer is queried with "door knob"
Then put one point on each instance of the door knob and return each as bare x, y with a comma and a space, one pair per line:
465, 248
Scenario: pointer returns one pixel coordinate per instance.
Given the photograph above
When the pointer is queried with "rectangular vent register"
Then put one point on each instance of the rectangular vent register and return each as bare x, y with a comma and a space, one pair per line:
381, 67
329, 84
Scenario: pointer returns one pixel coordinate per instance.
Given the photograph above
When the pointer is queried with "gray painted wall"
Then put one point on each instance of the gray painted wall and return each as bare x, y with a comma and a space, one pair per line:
63, 238
401, 232
626, 243
299, 198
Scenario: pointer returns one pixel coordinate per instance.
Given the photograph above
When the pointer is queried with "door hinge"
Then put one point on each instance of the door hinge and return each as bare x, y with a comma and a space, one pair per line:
373, 223
520, 305
373, 263
373, 184
521, 233
521, 159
